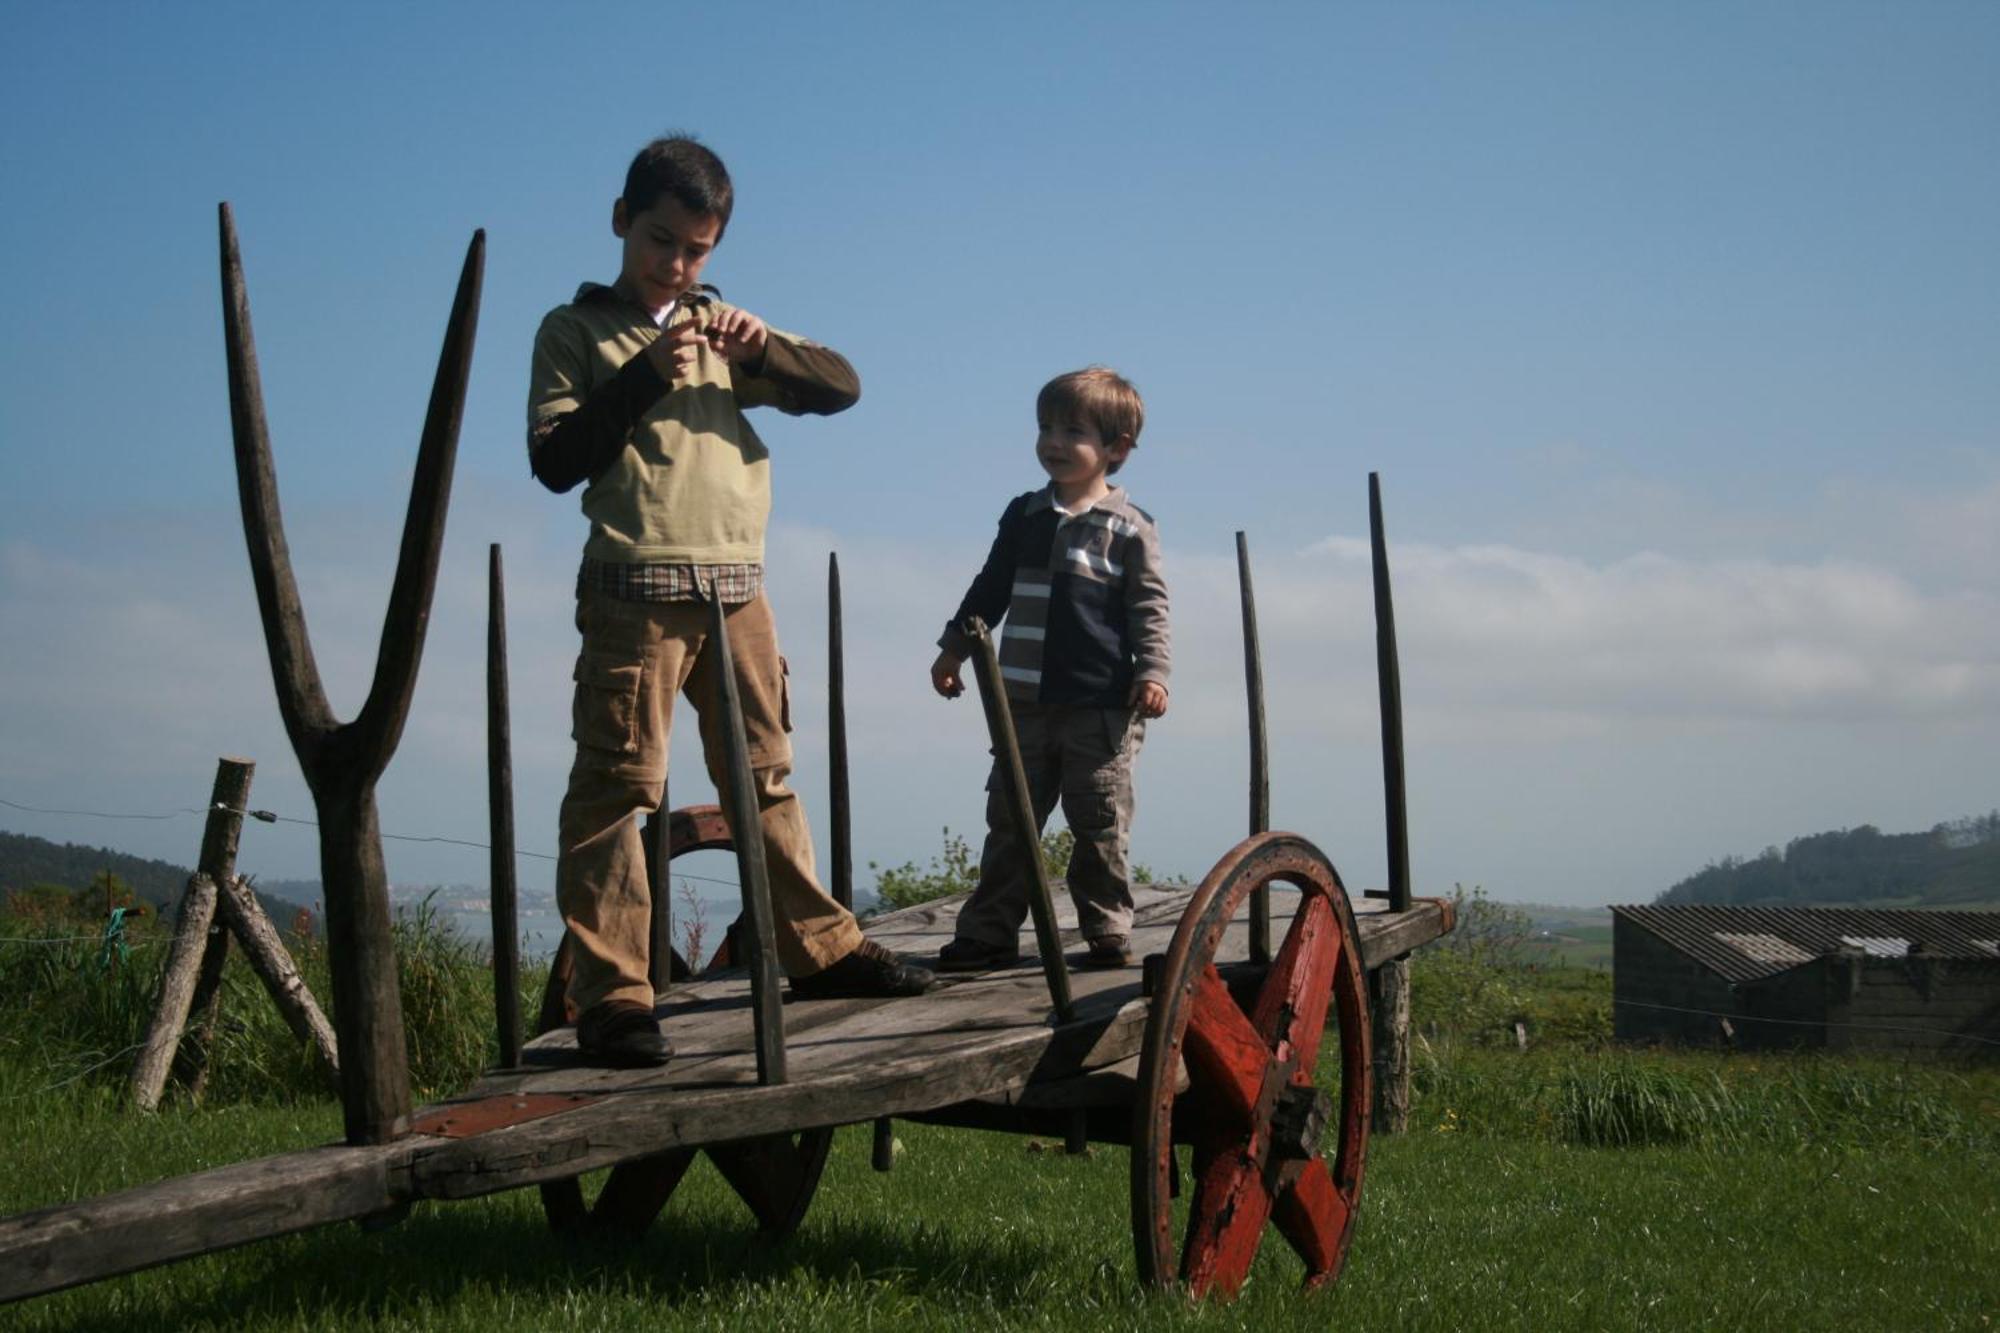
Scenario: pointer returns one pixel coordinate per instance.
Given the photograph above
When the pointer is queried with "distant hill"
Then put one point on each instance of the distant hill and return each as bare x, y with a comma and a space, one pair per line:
27, 862
1953, 865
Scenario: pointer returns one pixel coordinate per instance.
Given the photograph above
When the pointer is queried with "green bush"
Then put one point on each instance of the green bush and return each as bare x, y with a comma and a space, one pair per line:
956, 870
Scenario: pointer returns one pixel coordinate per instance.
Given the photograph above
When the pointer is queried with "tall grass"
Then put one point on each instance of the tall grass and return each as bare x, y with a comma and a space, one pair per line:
66, 1016
1625, 1099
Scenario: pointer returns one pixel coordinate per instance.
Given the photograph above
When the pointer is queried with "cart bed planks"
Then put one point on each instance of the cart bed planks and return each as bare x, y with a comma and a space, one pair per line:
986, 1038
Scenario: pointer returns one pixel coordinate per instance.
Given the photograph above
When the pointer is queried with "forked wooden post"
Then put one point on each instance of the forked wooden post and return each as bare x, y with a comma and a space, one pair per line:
1389, 1001
343, 761
746, 830
1260, 762
1007, 749
500, 819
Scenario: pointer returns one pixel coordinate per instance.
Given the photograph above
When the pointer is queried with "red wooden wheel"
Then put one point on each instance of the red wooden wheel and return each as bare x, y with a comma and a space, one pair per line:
1252, 1112
776, 1176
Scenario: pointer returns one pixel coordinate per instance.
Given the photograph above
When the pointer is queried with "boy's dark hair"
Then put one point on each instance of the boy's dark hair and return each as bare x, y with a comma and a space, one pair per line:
1100, 398
684, 170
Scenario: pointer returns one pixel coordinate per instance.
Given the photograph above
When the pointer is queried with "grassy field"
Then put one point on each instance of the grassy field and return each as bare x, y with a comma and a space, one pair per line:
1459, 1229
1577, 1185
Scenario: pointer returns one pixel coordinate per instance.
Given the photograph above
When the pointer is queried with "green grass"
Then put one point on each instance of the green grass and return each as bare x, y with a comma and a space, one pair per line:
1578, 1185
1458, 1230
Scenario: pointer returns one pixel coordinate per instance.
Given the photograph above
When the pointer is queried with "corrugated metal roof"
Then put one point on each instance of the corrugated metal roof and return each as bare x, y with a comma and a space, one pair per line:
1748, 943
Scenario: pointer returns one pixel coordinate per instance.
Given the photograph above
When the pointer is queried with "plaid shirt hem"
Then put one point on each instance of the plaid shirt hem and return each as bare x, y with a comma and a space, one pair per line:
731, 584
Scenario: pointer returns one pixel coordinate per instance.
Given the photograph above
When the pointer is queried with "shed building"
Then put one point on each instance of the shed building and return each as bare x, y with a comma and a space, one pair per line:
1824, 978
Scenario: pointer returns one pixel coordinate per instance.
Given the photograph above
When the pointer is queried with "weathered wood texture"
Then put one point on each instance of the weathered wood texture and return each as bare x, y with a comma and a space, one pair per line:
850, 1060
193, 978
343, 761
61, 1246
170, 1009
1389, 1012
274, 967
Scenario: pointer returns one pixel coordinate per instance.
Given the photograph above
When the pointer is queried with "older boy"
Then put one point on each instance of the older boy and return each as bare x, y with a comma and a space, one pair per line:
639, 389
1084, 657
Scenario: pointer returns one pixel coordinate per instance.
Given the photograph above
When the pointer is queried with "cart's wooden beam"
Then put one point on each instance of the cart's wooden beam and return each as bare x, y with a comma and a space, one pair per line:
69, 1244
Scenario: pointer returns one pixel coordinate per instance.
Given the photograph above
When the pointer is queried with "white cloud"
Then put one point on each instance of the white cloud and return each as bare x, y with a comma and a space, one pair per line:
1582, 729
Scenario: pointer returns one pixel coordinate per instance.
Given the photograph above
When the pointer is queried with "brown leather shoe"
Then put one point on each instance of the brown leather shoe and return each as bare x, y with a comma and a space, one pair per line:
1107, 951
622, 1034
870, 971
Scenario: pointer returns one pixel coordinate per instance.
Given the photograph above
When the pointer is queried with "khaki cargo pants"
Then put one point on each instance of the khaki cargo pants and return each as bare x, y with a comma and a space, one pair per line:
637, 656
1082, 757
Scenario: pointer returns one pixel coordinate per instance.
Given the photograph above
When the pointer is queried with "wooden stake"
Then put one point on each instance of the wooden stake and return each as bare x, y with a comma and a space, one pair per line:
274, 967
659, 835
746, 828
1389, 681
500, 820
1390, 1006
836, 679
163, 1037
1260, 762
1007, 749
841, 800
194, 942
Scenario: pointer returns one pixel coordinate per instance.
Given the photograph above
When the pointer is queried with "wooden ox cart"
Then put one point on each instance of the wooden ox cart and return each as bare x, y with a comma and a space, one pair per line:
1206, 1061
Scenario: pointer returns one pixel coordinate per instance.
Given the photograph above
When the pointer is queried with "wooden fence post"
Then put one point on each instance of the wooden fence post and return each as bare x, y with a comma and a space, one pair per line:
195, 944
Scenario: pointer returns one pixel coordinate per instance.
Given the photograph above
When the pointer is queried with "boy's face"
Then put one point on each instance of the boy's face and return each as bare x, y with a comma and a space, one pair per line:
665, 248
1074, 454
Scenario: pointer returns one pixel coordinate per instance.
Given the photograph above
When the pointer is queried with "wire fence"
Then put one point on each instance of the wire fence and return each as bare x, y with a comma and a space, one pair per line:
272, 817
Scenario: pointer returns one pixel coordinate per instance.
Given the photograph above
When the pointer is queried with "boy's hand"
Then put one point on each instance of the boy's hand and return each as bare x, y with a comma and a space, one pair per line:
673, 352
1150, 698
945, 678
737, 335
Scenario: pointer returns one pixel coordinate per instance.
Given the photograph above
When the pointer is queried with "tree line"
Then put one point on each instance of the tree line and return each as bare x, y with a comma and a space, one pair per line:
1956, 863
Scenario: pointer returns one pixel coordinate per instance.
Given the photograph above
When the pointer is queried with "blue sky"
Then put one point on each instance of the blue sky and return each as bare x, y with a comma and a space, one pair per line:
1671, 329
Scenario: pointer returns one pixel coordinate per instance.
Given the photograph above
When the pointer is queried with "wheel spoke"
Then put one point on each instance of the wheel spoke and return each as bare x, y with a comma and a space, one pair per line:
1226, 1058
1290, 1015
1225, 1226
1314, 1217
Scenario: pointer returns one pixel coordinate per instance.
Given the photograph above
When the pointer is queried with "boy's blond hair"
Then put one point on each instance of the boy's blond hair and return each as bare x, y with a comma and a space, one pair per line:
1100, 398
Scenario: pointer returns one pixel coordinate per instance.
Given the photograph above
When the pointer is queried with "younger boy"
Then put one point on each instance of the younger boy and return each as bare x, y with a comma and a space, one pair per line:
639, 389
1084, 658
